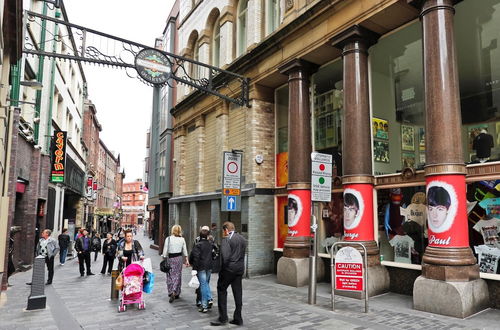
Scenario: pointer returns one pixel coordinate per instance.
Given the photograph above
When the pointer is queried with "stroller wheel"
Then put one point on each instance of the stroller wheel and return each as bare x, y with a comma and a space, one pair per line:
121, 308
142, 305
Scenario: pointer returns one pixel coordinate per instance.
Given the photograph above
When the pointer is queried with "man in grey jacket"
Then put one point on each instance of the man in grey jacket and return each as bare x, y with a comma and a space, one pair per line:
233, 266
48, 247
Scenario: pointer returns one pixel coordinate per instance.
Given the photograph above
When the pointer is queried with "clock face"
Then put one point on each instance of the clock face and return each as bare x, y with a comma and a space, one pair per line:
259, 159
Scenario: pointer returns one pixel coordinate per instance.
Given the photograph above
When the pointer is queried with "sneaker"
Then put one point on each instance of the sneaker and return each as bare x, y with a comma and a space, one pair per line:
210, 303
62, 264
202, 310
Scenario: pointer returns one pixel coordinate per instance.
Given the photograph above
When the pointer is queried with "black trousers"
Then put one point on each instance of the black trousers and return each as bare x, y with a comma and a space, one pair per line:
95, 255
107, 261
227, 279
50, 268
84, 257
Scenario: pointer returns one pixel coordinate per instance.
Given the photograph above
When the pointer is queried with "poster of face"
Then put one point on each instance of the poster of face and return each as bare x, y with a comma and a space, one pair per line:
442, 206
408, 159
474, 131
407, 138
294, 210
353, 208
380, 128
381, 151
421, 138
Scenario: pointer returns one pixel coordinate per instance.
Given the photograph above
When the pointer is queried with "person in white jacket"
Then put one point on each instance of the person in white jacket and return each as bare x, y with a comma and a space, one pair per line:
176, 251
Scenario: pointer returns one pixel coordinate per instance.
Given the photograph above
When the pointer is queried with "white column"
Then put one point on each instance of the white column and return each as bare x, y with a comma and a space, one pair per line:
254, 22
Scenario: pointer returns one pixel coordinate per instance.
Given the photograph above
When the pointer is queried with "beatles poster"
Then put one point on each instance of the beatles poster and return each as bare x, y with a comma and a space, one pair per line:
358, 212
381, 151
299, 213
447, 211
407, 138
380, 128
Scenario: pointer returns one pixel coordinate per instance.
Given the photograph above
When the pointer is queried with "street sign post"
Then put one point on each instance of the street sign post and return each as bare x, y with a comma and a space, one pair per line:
321, 191
348, 270
231, 182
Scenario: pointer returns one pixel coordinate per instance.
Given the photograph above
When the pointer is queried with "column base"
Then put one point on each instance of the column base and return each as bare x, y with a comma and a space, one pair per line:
297, 247
449, 264
456, 299
378, 283
295, 271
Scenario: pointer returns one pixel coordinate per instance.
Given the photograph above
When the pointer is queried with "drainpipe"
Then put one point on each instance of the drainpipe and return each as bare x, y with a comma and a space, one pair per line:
51, 93
39, 76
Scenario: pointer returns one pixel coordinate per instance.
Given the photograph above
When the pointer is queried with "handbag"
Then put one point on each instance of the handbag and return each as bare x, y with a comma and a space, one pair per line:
119, 282
216, 261
164, 265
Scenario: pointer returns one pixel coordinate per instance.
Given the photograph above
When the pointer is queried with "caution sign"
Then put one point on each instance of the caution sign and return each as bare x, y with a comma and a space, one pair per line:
349, 270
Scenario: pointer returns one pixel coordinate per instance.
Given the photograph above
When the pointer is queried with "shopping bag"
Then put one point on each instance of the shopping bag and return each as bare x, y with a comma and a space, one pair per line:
194, 283
148, 287
119, 282
146, 264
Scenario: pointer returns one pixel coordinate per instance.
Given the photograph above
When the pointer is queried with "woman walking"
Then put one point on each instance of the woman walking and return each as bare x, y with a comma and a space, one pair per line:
108, 253
175, 250
96, 245
129, 250
201, 260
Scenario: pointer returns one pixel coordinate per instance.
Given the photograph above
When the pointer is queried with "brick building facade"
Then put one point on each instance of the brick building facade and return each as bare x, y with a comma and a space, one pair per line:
134, 203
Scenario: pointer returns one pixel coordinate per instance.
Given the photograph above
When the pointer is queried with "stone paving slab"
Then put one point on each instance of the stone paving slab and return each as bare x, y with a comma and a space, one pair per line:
83, 302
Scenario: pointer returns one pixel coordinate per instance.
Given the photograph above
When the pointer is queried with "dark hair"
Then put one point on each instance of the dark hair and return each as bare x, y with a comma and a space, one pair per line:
292, 204
228, 225
438, 196
204, 233
351, 200
64, 230
126, 231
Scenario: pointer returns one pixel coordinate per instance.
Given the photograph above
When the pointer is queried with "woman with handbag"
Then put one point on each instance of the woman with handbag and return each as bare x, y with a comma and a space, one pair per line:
108, 252
129, 250
202, 261
175, 250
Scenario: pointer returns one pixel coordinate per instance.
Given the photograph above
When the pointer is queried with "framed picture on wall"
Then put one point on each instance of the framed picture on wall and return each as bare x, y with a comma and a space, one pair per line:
421, 158
380, 128
421, 138
408, 159
407, 138
381, 151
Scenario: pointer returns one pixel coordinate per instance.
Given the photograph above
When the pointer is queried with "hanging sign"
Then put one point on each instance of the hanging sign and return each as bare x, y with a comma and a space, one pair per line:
58, 157
89, 186
94, 190
153, 66
349, 270
321, 180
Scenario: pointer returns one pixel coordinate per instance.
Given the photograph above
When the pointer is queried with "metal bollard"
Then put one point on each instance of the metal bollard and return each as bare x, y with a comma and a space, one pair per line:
114, 292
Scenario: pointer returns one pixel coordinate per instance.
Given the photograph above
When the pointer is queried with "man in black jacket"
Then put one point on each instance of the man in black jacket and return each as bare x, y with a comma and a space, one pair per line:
233, 266
63, 245
84, 246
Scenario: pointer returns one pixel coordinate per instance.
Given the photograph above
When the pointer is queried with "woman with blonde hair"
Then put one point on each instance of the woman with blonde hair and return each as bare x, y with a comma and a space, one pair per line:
175, 250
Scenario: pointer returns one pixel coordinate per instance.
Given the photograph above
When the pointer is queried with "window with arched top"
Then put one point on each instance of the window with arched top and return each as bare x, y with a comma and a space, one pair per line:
216, 44
242, 26
272, 15
195, 69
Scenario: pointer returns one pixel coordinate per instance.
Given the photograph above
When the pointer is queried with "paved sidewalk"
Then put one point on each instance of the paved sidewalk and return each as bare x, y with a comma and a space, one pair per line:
83, 302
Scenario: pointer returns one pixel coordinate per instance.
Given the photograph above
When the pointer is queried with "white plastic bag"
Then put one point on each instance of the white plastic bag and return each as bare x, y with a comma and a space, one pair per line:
194, 283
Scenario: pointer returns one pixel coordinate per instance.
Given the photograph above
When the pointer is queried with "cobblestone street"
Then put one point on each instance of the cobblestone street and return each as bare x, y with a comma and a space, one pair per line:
83, 302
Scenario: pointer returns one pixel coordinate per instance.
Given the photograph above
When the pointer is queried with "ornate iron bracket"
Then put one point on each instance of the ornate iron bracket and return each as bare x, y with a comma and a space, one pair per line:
81, 44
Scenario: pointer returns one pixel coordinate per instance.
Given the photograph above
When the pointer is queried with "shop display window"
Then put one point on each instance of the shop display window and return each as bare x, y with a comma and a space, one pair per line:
327, 111
331, 226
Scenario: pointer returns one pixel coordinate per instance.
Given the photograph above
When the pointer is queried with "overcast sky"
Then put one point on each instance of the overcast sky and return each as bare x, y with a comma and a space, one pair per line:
123, 104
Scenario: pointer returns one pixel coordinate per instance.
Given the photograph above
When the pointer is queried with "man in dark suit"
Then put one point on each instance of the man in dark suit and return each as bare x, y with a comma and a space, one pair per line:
233, 266
84, 246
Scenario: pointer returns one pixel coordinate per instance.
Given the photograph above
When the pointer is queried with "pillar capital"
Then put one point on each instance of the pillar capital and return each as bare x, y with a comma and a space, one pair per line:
355, 38
420, 3
298, 65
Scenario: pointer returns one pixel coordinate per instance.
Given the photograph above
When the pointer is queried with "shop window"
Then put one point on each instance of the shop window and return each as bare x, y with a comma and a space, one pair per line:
397, 92
477, 39
327, 112
242, 26
331, 227
281, 104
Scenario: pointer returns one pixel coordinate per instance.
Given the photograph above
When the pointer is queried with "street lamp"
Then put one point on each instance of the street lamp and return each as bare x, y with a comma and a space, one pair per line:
36, 85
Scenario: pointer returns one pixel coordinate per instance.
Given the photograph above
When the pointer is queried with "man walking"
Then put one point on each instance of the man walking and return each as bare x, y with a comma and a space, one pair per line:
233, 266
47, 247
63, 245
83, 246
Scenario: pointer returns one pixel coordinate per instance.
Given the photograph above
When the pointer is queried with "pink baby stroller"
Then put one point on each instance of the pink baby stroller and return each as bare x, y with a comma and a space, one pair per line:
132, 287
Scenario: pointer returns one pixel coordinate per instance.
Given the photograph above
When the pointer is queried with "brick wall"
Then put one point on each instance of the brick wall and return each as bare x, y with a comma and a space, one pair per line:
261, 234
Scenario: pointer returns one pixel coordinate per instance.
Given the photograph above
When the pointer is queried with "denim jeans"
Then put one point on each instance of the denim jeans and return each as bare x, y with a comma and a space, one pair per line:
62, 255
206, 294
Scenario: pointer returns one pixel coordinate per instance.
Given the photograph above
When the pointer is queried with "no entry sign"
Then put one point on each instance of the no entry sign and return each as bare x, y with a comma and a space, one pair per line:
349, 270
